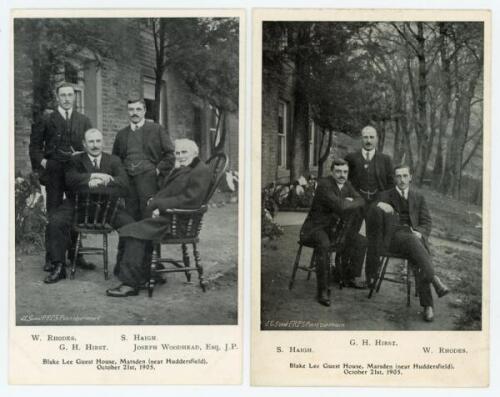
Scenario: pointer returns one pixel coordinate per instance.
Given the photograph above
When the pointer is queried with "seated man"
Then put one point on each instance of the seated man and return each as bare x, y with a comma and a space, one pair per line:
334, 198
400, 223
89, 171
185, 188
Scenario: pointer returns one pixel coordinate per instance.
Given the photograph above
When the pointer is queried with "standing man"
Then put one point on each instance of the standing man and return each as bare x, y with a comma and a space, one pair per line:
147, 154
92, 171
370, 172
54, 140
401, 223
334, 198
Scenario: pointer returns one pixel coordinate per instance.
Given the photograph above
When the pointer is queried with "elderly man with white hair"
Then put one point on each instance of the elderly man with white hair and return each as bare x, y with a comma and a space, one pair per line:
185, 188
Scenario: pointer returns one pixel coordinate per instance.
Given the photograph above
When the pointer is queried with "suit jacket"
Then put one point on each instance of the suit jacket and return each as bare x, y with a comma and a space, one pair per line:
420, 217
80, 168
46, 134
329, 204
185, 188
383, 169
157, 146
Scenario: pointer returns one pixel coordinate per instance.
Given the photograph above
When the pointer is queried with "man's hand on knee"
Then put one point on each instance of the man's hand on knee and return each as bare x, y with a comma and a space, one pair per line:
387, 208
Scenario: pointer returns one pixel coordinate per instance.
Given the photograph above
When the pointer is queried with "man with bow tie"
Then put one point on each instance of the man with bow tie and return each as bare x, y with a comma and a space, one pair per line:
184, 188
370, 172
401, 223
147, 153
54, 140
334, 199
89, 171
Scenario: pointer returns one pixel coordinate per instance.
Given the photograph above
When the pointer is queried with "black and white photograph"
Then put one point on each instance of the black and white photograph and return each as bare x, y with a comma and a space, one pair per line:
126, 160
372, 175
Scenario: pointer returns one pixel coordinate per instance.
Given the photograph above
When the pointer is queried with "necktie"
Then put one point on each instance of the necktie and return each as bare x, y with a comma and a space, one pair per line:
67, 120
96, 165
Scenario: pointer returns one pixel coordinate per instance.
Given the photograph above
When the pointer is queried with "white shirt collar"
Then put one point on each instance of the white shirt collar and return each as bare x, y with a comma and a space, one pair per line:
62, 112
403, 193
340, 186
365, 153
139, 124
98, 158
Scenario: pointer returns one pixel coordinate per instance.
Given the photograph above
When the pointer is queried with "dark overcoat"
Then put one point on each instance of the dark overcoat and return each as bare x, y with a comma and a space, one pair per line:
383, 170
184, 188
157, 146
329, 204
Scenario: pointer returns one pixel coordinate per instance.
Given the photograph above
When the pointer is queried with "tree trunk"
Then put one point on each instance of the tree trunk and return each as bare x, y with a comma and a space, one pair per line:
300, 136
454, 158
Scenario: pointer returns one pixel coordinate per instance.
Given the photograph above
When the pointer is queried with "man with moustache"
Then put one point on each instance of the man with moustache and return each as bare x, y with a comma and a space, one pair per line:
90, 171
186, 187
147, 154
370, 172
53, 142
401, 224
334, 198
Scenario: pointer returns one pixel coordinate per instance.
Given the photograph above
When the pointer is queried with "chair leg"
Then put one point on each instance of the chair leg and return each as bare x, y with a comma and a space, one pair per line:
376, 283
73, 263
105, 255
185, 259
382, 274
312, 264
408, 284
199, 267
295, 266
155, 257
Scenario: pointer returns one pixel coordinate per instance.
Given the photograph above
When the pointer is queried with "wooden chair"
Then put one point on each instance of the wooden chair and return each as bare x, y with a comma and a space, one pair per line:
184, 229
391, 276
94, 214
338, 231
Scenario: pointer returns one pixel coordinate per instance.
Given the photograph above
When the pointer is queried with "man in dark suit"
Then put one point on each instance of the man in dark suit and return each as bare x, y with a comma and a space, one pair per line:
147, 154
90, 171
186, 187
334, 198
401, 223
54, 140
370, 172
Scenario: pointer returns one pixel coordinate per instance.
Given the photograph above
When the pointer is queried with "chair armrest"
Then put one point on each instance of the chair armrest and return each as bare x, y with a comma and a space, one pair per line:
179, 211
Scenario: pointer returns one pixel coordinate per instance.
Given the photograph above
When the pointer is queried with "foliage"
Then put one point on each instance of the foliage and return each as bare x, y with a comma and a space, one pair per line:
30, 213
298, 195
53, 42
269, 229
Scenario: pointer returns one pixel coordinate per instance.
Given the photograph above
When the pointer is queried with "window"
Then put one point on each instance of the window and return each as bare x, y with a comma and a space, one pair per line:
148, 90
74, 75
282, 132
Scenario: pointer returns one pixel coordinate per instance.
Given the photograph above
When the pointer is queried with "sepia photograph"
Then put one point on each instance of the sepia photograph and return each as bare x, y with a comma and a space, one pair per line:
126, 161
372, 174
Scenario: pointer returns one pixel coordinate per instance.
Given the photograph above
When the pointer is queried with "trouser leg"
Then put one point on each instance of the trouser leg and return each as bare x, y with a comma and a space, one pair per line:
58, 232
355, 253
147, 186
424, 290
132, 269
122, 218
54, 189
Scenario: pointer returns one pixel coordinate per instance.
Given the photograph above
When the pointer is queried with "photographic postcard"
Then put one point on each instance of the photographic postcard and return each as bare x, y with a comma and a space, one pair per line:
100, 85
411, 87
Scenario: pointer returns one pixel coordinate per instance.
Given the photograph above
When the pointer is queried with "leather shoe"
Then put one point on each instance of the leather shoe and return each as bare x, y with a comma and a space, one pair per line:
323, 298
49, 267
122, 291
83, 264
57, 274
440, 288
428, 313
355, 284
